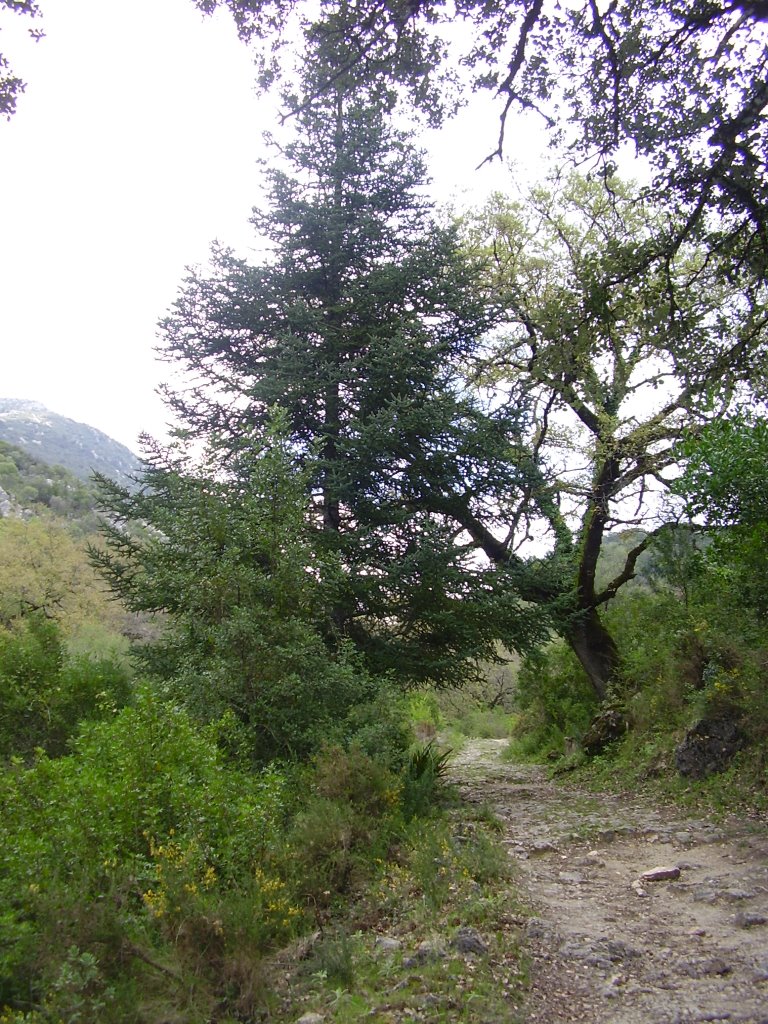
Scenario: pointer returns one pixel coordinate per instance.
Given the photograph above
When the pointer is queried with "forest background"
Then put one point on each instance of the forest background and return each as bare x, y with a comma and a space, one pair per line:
410, 449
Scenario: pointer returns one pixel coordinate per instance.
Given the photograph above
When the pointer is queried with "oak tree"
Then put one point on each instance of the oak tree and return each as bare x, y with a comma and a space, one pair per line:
623, 345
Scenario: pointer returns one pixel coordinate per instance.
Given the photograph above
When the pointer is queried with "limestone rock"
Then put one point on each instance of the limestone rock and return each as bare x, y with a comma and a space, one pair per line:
6, 505
426, 952
660, 874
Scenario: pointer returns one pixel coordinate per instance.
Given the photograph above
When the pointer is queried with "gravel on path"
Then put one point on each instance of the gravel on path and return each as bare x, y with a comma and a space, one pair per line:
612, 939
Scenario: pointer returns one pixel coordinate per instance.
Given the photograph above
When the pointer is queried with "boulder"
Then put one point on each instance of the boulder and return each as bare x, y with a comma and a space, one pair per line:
710, 744
467, 940
605, 727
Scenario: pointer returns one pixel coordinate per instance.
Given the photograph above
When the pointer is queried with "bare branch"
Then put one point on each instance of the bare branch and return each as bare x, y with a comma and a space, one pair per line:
628, 572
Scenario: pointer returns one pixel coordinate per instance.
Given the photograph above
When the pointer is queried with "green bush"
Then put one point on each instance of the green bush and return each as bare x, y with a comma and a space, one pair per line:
45, 692
142, 836
349, 816
485, 723
424, 714
555, 701
424, 774
380, 726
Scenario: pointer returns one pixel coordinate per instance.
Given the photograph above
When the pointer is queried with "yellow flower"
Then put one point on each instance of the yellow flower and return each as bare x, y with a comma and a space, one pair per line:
155, 902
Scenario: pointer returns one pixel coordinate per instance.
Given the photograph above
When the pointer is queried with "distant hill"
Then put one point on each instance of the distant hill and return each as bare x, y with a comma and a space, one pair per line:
60, 441
28, 486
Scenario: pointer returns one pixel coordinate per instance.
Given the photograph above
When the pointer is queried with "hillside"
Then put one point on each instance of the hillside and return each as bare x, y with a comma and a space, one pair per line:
27, 484
60, 441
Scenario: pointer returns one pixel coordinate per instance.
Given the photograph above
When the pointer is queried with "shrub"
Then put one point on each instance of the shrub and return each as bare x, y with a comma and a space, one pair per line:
143, 835
425, 772
380, 726
555, 701
45, 692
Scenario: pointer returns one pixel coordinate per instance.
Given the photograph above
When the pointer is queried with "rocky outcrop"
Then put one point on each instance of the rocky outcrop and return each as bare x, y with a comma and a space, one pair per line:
710, 745
6, 505
607, 726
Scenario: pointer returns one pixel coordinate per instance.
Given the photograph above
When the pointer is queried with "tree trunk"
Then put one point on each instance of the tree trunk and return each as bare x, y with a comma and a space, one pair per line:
594, 646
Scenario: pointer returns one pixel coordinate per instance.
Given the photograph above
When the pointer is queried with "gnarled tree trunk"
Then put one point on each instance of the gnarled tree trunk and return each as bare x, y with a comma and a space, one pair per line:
595, 648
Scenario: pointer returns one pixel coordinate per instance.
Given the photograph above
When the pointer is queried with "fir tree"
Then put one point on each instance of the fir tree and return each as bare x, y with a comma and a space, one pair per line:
357, 327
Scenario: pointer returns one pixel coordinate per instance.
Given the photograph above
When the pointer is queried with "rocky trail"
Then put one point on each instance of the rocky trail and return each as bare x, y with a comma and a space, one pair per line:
609, 942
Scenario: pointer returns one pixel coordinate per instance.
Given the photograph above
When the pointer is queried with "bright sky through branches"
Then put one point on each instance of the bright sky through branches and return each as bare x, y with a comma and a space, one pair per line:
134, 146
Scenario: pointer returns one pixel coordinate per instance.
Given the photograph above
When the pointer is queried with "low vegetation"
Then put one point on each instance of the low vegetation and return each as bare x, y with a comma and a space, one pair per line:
695, 641
147, 876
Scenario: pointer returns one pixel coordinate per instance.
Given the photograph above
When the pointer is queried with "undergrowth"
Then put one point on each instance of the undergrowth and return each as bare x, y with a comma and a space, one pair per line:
396, 953
146, 878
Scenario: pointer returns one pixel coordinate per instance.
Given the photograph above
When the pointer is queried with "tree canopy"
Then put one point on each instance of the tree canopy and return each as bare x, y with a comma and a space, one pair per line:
454, 398
620, 345
683, 84
357, 328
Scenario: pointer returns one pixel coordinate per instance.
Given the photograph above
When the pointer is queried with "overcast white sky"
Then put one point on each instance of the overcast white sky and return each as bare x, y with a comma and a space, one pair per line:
134, 146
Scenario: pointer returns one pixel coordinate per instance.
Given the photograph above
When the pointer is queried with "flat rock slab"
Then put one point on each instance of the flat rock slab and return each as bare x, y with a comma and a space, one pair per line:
660, 874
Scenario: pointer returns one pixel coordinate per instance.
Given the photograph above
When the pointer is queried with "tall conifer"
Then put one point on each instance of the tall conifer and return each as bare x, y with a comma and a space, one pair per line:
357, 326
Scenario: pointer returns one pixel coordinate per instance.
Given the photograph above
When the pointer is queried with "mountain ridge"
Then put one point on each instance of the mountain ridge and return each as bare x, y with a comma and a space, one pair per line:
61, 441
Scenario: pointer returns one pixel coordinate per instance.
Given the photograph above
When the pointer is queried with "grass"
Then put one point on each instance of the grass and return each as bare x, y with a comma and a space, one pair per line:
645, 765
453, 874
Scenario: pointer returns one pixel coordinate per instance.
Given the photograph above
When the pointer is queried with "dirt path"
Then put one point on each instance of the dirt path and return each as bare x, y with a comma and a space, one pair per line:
691, 948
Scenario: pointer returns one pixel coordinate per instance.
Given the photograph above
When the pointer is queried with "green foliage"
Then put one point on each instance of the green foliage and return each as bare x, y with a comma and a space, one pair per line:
604, 79
348, 821
603, 299
555, 700
724, 480
145, 877
358, 328
141, 836
31, 483
442, 876
424, 714
424, 774
44, 567
692, 644
46, 692
334, 961
379, 726
725, 484
711, 647
256, 640
79, 992
485, 723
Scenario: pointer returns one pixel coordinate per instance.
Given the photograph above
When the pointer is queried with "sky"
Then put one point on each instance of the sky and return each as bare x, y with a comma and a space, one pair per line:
134, 146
